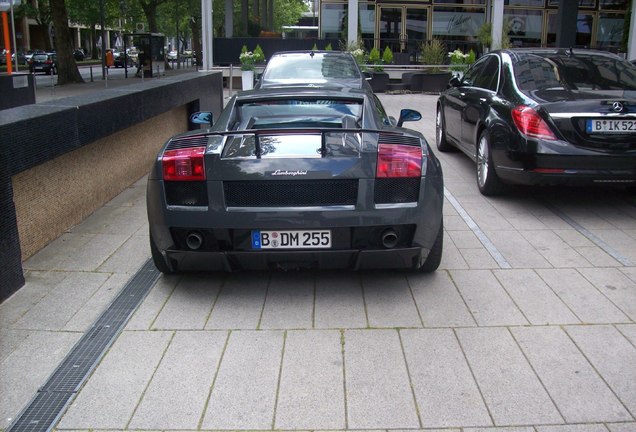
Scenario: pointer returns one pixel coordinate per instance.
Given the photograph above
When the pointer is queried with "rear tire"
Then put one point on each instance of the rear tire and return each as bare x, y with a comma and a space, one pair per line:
488, 181
158, 258
440, 133
435, 255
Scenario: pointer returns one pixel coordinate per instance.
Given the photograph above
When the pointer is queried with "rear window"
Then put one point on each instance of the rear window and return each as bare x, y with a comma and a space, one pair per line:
576, 72
40, 57
290, 113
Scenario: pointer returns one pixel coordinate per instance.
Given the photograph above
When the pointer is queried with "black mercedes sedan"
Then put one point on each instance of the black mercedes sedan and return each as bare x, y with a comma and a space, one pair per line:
543, 116
291, 178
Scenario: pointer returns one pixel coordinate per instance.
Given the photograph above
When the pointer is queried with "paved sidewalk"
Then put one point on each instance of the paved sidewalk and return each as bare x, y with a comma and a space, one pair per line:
541, 338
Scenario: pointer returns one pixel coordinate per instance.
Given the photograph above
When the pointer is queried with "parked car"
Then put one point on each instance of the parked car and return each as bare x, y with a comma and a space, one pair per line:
172, 55
45, 62
543, 116
79, 54
29, 55
294, 178
321, 68
121, 59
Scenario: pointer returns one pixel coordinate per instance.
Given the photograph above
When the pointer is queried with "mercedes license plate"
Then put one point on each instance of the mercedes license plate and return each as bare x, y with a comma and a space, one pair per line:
310, 239
610, 126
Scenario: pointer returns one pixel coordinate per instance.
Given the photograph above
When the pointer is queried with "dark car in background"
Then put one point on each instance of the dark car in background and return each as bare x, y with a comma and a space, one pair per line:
297, 177
43, 62
543, 116
79, 54
121, 59
316, 68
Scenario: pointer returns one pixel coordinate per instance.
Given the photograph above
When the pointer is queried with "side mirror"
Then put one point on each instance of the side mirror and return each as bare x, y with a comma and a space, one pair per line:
454, 82
367, 75
408, 115
201, 117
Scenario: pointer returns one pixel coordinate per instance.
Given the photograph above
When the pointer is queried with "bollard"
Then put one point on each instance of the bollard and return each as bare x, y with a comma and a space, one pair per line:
106, 78
91, 68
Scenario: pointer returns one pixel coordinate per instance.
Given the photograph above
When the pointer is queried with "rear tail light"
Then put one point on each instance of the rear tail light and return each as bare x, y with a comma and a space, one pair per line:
396, 160
184, 164
530, 123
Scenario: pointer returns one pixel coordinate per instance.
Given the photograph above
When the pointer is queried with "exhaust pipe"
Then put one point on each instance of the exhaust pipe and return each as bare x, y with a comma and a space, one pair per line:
389, 238
194, 240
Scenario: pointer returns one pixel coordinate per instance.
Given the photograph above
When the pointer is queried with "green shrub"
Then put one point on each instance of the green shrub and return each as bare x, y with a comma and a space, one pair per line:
387, 56
433, 53
374, 59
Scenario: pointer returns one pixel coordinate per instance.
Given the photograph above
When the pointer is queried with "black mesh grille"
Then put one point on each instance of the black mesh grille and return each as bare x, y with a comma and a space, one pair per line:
385, 138
397, 190
186, 193
187, 142
291, 193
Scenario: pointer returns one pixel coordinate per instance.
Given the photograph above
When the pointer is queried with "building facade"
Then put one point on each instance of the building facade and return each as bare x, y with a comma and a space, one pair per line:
403, 26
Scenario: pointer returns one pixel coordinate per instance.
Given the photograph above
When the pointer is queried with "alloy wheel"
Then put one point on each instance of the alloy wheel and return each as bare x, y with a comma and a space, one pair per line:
482, 161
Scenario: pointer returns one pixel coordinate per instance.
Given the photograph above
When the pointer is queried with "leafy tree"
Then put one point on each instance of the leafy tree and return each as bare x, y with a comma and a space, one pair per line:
150, 10
88, 14
66, 67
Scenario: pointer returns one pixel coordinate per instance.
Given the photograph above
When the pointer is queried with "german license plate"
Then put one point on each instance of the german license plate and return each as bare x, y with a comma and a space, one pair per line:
310, 239
610, 126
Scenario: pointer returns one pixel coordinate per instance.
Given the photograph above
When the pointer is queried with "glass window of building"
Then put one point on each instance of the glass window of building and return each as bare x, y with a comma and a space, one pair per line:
614, 4
462, 2
366, 21
390, 27
333, 21
525, 26
610, 30
582, 3
457, 27
584, 26
525, 3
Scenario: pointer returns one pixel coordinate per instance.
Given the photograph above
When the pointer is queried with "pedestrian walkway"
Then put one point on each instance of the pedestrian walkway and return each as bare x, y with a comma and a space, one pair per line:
546, 343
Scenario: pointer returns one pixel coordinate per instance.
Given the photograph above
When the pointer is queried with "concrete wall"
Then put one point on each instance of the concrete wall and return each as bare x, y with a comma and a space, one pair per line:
58, 194
61, 160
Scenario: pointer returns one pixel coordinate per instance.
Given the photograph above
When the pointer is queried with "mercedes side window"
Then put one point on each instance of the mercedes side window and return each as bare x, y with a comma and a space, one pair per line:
469, 77
488, 76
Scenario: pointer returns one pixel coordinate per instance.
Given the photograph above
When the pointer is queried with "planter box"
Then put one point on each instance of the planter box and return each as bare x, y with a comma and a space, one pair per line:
436, 82
379, 81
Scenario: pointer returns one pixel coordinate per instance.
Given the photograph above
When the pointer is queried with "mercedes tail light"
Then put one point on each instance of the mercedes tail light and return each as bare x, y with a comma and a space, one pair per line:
184, 164
530, 123
397, 160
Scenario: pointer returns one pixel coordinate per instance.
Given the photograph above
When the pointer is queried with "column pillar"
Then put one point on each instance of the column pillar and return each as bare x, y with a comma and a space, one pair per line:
207, 34
229, 19
631, 42
497, 14
566, 24
244, 16
352, 25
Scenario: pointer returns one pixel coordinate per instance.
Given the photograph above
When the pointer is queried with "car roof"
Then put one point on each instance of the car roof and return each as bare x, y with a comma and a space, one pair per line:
519, 53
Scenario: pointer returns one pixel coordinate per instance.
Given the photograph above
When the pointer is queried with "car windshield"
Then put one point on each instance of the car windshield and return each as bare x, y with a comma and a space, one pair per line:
575, 72
311, 66
40, 57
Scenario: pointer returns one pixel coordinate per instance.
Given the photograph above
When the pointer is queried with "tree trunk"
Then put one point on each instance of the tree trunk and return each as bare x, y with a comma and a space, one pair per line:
150, 10
66, 66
